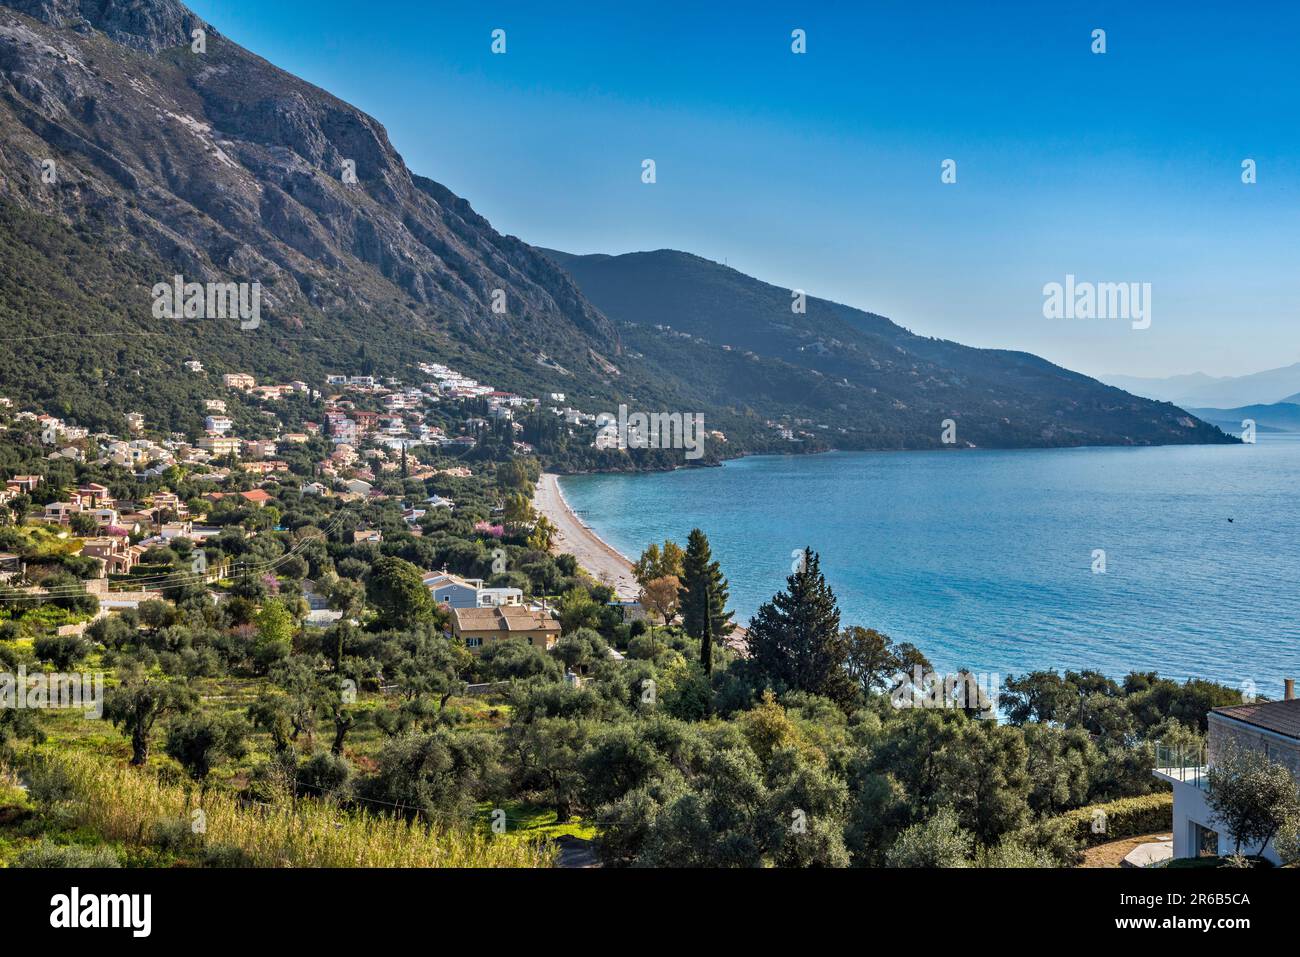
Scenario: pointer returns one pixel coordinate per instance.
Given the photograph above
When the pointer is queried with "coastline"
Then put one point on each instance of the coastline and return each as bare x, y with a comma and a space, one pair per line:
604, 562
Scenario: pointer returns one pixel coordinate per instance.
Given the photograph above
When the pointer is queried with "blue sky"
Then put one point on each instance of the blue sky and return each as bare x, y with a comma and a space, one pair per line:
822, 171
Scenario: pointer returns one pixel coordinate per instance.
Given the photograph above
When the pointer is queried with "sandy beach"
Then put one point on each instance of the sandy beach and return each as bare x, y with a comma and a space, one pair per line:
603, 561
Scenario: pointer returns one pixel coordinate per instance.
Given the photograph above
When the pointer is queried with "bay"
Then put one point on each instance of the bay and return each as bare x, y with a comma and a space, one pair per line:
985, 559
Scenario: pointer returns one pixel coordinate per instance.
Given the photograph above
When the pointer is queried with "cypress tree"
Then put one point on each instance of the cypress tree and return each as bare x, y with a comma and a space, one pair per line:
704, 592
706, 640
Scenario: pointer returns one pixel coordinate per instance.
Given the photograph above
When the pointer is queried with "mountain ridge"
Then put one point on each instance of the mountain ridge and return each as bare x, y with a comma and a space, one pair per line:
219, 166
879, 384
1222, 392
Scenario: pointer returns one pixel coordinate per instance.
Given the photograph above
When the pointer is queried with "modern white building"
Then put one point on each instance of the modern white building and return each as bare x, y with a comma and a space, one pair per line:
1271, 727
457, 592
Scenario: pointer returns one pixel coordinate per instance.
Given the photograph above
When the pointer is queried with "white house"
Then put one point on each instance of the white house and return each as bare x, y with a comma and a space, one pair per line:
1272, 727
458, 592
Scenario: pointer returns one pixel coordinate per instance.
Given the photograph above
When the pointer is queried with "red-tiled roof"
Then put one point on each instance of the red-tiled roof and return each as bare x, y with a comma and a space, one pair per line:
1280, 717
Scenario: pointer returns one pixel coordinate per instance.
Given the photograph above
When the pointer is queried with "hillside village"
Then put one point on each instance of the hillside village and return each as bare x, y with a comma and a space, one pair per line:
369, 431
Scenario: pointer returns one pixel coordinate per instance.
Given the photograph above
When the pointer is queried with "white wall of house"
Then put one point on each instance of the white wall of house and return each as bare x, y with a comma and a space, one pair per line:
1191, 807
496, 597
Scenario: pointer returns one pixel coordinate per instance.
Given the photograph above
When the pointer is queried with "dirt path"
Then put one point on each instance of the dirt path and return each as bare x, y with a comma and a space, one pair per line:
1113, 854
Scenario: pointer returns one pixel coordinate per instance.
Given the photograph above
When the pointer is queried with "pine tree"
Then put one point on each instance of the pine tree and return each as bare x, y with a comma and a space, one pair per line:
795, 639
704, 592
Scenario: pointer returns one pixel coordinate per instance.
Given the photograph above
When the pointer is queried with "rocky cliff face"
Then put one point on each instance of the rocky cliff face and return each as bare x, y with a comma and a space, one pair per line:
148, 26
230, 169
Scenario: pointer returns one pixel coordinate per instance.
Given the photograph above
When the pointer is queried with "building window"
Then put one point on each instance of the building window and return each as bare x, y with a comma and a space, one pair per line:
473, 642
1205, 842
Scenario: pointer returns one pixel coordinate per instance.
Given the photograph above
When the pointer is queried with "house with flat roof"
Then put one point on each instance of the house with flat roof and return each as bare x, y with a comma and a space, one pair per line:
60, 513
457, 592
1269, 727
480, 627
117, 554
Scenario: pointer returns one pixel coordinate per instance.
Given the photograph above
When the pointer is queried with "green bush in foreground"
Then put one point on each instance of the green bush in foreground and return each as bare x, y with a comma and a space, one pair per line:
48, 854
1123, 818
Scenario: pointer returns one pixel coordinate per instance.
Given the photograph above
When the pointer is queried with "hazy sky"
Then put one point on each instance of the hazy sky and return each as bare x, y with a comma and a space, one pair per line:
822, 170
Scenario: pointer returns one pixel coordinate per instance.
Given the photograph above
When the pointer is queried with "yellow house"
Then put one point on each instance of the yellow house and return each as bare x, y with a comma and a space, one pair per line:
478, 627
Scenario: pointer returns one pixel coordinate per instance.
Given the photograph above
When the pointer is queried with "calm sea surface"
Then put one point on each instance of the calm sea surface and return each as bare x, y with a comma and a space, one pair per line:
984, 559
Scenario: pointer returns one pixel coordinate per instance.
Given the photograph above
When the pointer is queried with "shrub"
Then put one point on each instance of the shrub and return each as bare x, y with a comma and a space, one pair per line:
225, 856
1124, 818
937, 842
175, 836
48, 854
326, 774
50, 783
62, 651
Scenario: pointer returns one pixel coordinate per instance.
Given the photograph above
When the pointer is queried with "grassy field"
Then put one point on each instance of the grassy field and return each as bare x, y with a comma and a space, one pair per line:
82, 799
529, 821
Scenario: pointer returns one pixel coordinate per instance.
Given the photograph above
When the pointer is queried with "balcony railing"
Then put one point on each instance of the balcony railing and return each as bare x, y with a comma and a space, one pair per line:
1182, 762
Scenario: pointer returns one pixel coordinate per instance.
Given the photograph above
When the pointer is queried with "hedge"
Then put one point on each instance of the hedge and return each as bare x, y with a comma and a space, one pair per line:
1124, 818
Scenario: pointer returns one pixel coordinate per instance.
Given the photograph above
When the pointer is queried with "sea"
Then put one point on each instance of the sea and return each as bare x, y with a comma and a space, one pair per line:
1184, 560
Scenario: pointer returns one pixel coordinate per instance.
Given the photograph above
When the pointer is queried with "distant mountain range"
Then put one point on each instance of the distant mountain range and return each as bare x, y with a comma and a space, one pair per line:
1273, 417
1226, 392
127, 156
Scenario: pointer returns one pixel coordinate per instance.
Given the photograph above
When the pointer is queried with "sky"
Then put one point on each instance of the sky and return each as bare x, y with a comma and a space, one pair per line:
822, 170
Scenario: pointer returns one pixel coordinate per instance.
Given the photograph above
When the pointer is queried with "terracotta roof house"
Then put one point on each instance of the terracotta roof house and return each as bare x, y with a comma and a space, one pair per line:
479, 627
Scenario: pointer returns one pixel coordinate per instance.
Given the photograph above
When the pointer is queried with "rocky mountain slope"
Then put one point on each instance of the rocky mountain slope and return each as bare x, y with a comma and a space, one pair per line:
221, 167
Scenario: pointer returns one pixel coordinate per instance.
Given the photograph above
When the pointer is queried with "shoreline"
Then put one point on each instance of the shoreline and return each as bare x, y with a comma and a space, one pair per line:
597, 556
601, 560
1232, 440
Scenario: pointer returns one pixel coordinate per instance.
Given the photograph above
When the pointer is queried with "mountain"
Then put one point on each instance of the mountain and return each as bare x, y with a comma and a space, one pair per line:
220, 167
856, 378
137, 144
1274, 417
1203, 391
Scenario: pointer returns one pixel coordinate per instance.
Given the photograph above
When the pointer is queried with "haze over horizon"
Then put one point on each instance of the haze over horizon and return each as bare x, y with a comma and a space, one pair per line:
821, 171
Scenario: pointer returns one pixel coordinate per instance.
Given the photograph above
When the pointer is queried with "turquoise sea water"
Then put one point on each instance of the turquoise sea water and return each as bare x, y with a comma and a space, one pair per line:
984, 559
